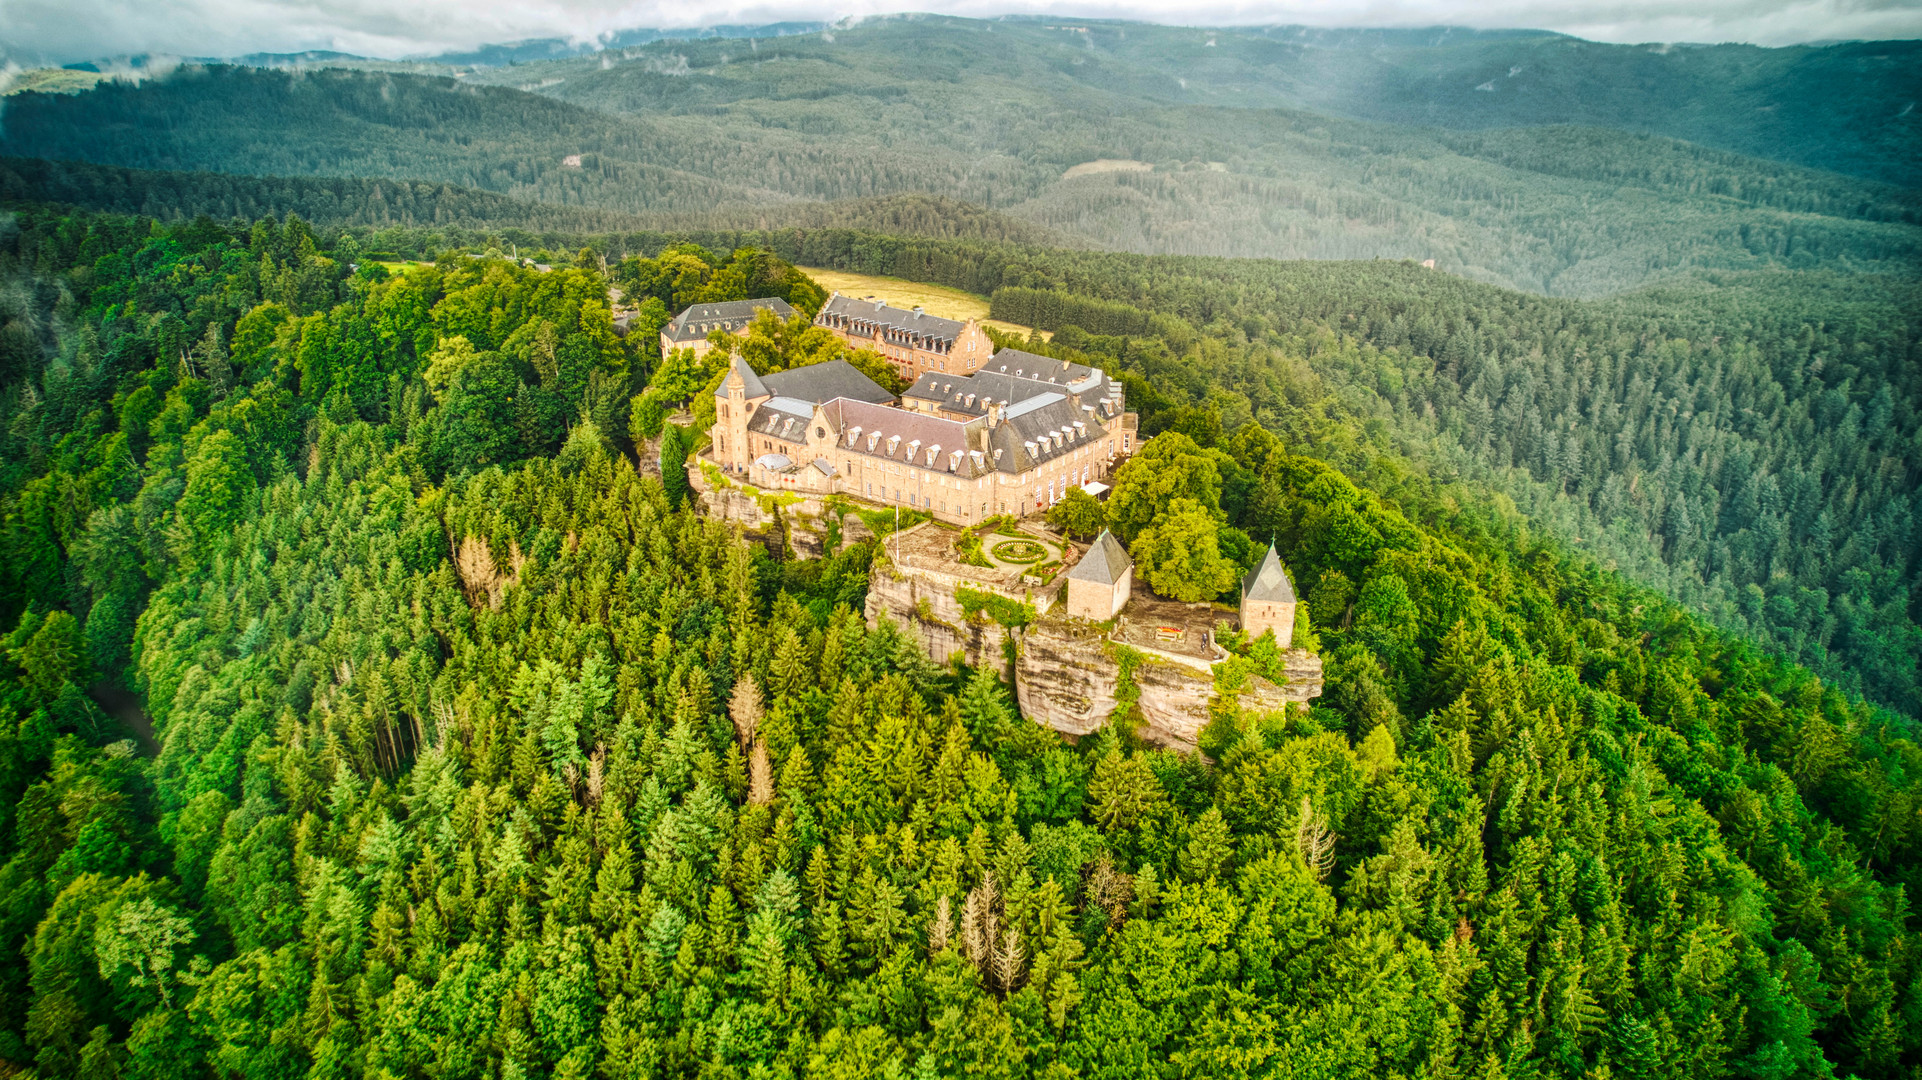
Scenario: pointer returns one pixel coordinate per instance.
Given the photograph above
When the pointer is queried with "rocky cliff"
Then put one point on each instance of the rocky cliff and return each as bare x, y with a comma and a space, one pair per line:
1067, 675
923, 604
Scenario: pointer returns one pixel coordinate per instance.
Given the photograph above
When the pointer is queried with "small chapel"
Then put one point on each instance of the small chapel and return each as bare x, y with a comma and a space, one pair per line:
1099, 586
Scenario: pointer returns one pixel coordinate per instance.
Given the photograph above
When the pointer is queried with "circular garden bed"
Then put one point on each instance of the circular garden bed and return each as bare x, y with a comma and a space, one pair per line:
1019, 552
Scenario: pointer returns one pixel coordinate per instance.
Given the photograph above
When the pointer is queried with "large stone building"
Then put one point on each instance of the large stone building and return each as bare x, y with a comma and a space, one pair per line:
1268, 600
962, 451
690, 328
912, 340
1099, 585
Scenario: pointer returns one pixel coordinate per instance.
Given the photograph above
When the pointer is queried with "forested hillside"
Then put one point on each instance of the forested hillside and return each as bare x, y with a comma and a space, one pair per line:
997, 115
1841, 108
1746, 444
425, 219
176, 196
479, 756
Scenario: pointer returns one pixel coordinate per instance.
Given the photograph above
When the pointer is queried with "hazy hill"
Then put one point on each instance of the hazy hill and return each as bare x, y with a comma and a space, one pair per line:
1848, 107
1082, 132
170, 196
460, 213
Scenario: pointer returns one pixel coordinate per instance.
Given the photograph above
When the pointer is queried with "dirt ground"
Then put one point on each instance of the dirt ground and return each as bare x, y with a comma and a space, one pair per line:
1169, 625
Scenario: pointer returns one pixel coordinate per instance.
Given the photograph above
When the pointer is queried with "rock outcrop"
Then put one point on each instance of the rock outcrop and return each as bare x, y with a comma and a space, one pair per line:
923, 603
1067, 674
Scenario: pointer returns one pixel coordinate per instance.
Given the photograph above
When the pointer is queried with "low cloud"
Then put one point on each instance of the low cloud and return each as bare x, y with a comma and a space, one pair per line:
60, 31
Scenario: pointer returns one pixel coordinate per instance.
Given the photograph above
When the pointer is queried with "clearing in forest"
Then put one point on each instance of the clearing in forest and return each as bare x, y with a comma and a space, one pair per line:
937, 300
1103, 165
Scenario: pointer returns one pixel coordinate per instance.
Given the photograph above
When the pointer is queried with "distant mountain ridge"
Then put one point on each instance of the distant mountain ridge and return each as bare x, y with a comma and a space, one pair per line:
1005, 115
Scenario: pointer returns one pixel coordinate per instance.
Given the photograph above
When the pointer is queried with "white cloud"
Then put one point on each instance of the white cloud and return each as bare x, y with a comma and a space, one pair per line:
39, 31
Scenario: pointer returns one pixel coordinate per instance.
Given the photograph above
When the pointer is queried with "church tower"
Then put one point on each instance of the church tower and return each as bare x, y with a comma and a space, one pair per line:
738, 394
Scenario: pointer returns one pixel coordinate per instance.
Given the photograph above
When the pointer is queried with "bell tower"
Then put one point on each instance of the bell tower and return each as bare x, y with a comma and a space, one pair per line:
736, 398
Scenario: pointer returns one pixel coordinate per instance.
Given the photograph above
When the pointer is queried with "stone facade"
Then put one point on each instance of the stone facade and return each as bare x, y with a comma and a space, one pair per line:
827, 429
1099, 585
1096, 602
911, 339
1260, 616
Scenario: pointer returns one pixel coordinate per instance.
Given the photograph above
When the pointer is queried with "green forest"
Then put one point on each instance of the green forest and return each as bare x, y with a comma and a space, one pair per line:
1232, 144
470, 751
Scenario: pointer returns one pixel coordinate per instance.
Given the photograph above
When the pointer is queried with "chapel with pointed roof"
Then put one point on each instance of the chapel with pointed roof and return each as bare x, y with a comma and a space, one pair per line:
1099, 585
1268, 600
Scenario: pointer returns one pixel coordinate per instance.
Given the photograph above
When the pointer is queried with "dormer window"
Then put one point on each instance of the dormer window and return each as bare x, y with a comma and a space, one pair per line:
913, 449
873, 437
893, 442
934, 452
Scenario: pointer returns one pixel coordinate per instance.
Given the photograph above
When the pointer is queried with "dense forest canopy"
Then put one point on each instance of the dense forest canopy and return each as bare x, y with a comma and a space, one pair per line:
412, 205
382, 704
1745, 443
1000, 115
475, 753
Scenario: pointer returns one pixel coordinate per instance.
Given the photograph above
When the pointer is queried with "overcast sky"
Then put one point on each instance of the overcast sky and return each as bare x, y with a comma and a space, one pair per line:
60, 31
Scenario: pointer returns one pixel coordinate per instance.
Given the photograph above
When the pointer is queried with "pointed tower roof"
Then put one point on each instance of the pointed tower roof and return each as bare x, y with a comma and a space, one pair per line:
755, 387
1268, 582
1104, 563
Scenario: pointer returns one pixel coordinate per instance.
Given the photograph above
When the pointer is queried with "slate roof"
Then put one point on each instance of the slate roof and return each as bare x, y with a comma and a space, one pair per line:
789, 425
929, 442
1268, 582
906, 326
1041, 429
694, 323
825, 382
970, 394
1078, 378
755, 387
1104, 563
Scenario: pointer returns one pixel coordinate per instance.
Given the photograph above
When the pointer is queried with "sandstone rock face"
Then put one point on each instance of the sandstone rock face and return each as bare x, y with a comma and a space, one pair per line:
927, 610
732, 504
807, 528
853, 531
1065, 677
647, 457
1173, 703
